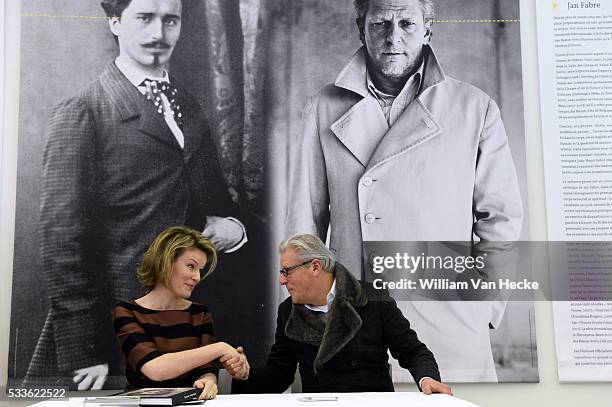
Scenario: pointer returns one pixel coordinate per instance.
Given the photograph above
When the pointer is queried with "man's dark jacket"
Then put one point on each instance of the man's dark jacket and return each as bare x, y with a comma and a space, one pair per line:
349, 352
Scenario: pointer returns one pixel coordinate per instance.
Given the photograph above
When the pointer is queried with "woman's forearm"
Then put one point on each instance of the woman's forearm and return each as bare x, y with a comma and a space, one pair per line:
171, 365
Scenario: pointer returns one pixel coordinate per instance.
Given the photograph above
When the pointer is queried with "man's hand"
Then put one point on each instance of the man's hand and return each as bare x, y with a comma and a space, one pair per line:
208, 384
92, 377
224, 233
429, 386
229, 355
240, 369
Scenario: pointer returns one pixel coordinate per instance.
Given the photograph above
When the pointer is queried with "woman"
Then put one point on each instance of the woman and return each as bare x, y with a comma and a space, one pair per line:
168, 340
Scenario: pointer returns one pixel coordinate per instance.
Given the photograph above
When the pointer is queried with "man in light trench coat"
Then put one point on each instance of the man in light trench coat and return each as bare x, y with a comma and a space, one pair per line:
395, 150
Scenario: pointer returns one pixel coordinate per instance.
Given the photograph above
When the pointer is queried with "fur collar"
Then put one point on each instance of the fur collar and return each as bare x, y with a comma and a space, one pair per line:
343, 321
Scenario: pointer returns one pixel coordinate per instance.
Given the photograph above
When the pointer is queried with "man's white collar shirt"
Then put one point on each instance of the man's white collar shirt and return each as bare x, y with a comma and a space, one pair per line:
330, 298
393, 106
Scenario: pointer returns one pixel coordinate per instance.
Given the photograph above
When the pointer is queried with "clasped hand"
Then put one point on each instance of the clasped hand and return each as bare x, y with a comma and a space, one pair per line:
236, 363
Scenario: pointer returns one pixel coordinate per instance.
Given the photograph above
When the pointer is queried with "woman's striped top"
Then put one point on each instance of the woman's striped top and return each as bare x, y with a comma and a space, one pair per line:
145, 334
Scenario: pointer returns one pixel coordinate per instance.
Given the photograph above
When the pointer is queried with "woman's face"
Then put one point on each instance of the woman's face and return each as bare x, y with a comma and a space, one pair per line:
186, 271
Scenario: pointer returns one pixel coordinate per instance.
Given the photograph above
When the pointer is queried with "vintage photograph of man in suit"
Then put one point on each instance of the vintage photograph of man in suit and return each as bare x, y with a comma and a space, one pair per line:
123, 158
127, 157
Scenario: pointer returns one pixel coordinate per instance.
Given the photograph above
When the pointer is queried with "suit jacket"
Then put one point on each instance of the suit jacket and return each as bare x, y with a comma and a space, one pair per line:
442, 172
348, 353
114, 177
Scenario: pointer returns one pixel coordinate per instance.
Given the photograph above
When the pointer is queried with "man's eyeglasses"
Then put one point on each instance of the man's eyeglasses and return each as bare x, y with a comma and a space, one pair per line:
285, 271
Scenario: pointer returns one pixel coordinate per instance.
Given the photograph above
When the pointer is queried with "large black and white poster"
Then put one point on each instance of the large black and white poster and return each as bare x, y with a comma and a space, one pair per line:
253, 66
90, 199
349, 179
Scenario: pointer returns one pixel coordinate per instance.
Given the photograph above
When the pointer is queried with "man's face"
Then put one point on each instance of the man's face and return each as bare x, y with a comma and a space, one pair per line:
394, 33
299, 281
148, 31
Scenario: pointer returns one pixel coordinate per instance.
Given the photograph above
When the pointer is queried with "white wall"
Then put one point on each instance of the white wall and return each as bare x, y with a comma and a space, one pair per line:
547, 392
8, 170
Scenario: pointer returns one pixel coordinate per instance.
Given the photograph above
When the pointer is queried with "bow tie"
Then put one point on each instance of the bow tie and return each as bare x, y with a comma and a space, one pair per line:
154, 91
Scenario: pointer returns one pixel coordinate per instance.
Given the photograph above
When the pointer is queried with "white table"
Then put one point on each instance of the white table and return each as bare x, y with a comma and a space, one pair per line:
407, 399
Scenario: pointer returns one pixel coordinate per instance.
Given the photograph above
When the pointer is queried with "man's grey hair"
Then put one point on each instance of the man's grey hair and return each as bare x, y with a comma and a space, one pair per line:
361, 7
310, 247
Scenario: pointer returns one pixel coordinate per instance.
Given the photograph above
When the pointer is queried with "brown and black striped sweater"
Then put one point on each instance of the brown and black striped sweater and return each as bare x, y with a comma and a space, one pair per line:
145, 334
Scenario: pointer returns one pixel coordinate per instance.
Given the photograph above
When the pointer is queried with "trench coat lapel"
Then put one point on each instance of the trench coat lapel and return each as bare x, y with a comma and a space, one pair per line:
361, 128
414, 127
130, 104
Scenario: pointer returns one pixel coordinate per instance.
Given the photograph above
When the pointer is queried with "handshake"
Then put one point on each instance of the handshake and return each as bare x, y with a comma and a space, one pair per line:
234, 360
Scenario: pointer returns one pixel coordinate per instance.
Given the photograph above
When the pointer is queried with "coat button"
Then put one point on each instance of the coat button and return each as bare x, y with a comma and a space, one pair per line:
366, 181
370, 218
354, 363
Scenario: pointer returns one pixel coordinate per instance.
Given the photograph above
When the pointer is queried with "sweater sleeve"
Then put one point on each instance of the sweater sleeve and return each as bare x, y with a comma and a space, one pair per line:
137, 346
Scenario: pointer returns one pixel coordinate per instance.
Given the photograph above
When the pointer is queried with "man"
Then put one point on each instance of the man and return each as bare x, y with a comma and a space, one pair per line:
338, 330
124, 159
395, 150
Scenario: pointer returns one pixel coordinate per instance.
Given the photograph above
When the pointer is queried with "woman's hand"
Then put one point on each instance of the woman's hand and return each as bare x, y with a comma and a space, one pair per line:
92, 377
208, 384
241, 369
228, 355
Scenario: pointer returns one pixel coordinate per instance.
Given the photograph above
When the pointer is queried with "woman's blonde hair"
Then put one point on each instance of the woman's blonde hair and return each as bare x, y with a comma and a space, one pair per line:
156, 266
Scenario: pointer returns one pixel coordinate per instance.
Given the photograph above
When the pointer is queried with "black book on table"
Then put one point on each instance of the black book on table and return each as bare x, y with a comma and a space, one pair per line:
150, 397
